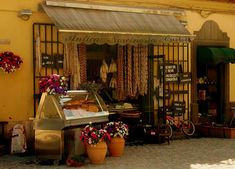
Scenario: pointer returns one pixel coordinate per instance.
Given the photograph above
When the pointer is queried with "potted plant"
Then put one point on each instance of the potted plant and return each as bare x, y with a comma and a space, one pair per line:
94, 141
118, 131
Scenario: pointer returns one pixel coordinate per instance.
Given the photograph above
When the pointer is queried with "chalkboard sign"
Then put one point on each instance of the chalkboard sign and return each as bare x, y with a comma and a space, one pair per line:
178, 108
171, 72
185, 78
171, 78
47, 60
168, 110
159, 93
59, 61
52, 61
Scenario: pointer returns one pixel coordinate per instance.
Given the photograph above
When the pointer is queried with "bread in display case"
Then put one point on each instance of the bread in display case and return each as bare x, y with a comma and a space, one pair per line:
57, 114
83, 105
77, 107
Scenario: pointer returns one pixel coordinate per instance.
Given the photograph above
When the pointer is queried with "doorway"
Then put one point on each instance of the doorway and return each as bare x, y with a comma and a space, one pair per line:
210, 91
210, 86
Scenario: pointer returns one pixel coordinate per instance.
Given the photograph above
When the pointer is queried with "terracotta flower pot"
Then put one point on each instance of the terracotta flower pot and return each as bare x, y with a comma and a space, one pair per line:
116, 146
96, 153
229, 132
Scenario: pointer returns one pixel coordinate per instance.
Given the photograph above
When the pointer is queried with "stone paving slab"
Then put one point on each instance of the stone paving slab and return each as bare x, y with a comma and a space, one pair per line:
196, 153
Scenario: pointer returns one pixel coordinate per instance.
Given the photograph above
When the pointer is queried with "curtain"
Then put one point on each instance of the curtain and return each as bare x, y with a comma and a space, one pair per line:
72, 64
38, 66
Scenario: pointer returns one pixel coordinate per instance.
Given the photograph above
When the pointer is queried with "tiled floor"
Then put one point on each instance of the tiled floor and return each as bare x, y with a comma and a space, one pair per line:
197, 153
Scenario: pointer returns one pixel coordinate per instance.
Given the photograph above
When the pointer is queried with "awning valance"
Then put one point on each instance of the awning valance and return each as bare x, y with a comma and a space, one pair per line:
115, 27
213, 55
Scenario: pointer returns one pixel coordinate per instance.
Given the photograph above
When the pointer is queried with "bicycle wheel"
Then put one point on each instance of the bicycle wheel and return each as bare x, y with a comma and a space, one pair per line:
168, 130
188, 127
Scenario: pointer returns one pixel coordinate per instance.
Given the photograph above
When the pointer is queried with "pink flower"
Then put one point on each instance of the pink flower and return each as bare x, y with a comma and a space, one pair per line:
92, 135
53, 84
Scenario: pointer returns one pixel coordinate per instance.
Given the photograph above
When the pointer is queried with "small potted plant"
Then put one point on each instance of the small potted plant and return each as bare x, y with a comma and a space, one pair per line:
94, 141
118, 131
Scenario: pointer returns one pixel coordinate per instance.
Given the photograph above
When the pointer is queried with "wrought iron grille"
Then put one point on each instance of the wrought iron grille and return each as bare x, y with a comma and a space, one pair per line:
172, 81
46, 39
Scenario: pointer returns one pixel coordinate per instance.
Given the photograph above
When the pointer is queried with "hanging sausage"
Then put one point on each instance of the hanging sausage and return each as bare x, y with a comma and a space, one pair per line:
120, 77
83, 62
143, 70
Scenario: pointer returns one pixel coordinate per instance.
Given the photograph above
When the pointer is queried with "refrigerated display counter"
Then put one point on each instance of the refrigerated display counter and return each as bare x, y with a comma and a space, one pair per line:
57, 115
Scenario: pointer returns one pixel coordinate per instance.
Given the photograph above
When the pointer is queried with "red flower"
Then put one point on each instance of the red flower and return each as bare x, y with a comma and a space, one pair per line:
92, 135
53, 84
9, 62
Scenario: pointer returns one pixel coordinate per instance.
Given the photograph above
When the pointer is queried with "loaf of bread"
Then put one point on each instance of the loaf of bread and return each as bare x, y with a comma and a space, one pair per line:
87, 105
93, 108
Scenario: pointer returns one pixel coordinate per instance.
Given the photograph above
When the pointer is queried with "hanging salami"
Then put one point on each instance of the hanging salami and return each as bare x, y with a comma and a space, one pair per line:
125, 70
132, 77
129, 71
120, 78
83, 62
136, 77
143, 70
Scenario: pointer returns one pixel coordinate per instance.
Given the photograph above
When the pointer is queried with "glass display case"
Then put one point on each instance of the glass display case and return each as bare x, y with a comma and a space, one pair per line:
57, 114
77, 107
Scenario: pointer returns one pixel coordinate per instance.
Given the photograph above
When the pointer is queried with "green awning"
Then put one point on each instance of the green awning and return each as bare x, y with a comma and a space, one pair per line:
213, 55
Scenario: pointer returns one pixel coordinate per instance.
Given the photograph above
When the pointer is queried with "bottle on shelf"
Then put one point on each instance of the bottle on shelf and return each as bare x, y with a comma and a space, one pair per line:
202, 94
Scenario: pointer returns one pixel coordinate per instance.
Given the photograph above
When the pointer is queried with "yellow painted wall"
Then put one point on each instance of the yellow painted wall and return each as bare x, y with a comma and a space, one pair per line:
16, 89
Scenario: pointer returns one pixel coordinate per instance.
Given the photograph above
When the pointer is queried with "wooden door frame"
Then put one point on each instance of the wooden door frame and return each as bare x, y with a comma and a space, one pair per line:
209, 35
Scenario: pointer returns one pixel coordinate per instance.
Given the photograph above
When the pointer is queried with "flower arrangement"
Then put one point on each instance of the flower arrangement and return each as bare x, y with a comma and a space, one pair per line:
91, 135
53, 84
9, 62
117, 129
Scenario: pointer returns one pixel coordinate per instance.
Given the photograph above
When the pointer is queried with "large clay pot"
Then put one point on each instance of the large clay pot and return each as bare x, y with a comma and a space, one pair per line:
96, 153
116, 146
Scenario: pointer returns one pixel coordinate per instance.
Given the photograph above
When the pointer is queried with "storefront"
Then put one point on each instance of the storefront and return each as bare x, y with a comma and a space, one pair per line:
138, 41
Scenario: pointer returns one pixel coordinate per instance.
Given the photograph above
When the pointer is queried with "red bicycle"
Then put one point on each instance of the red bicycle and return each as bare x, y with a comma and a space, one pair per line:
186, 126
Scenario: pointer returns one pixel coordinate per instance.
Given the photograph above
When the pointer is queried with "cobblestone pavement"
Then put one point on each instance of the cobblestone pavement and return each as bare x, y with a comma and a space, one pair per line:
196, 153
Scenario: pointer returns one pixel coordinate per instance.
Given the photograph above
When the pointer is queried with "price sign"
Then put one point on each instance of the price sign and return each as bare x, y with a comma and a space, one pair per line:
47, 60
171, 72
179, 108
185, 78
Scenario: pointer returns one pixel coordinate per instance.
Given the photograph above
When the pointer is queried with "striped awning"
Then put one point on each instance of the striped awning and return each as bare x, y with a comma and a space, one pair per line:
115, 27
